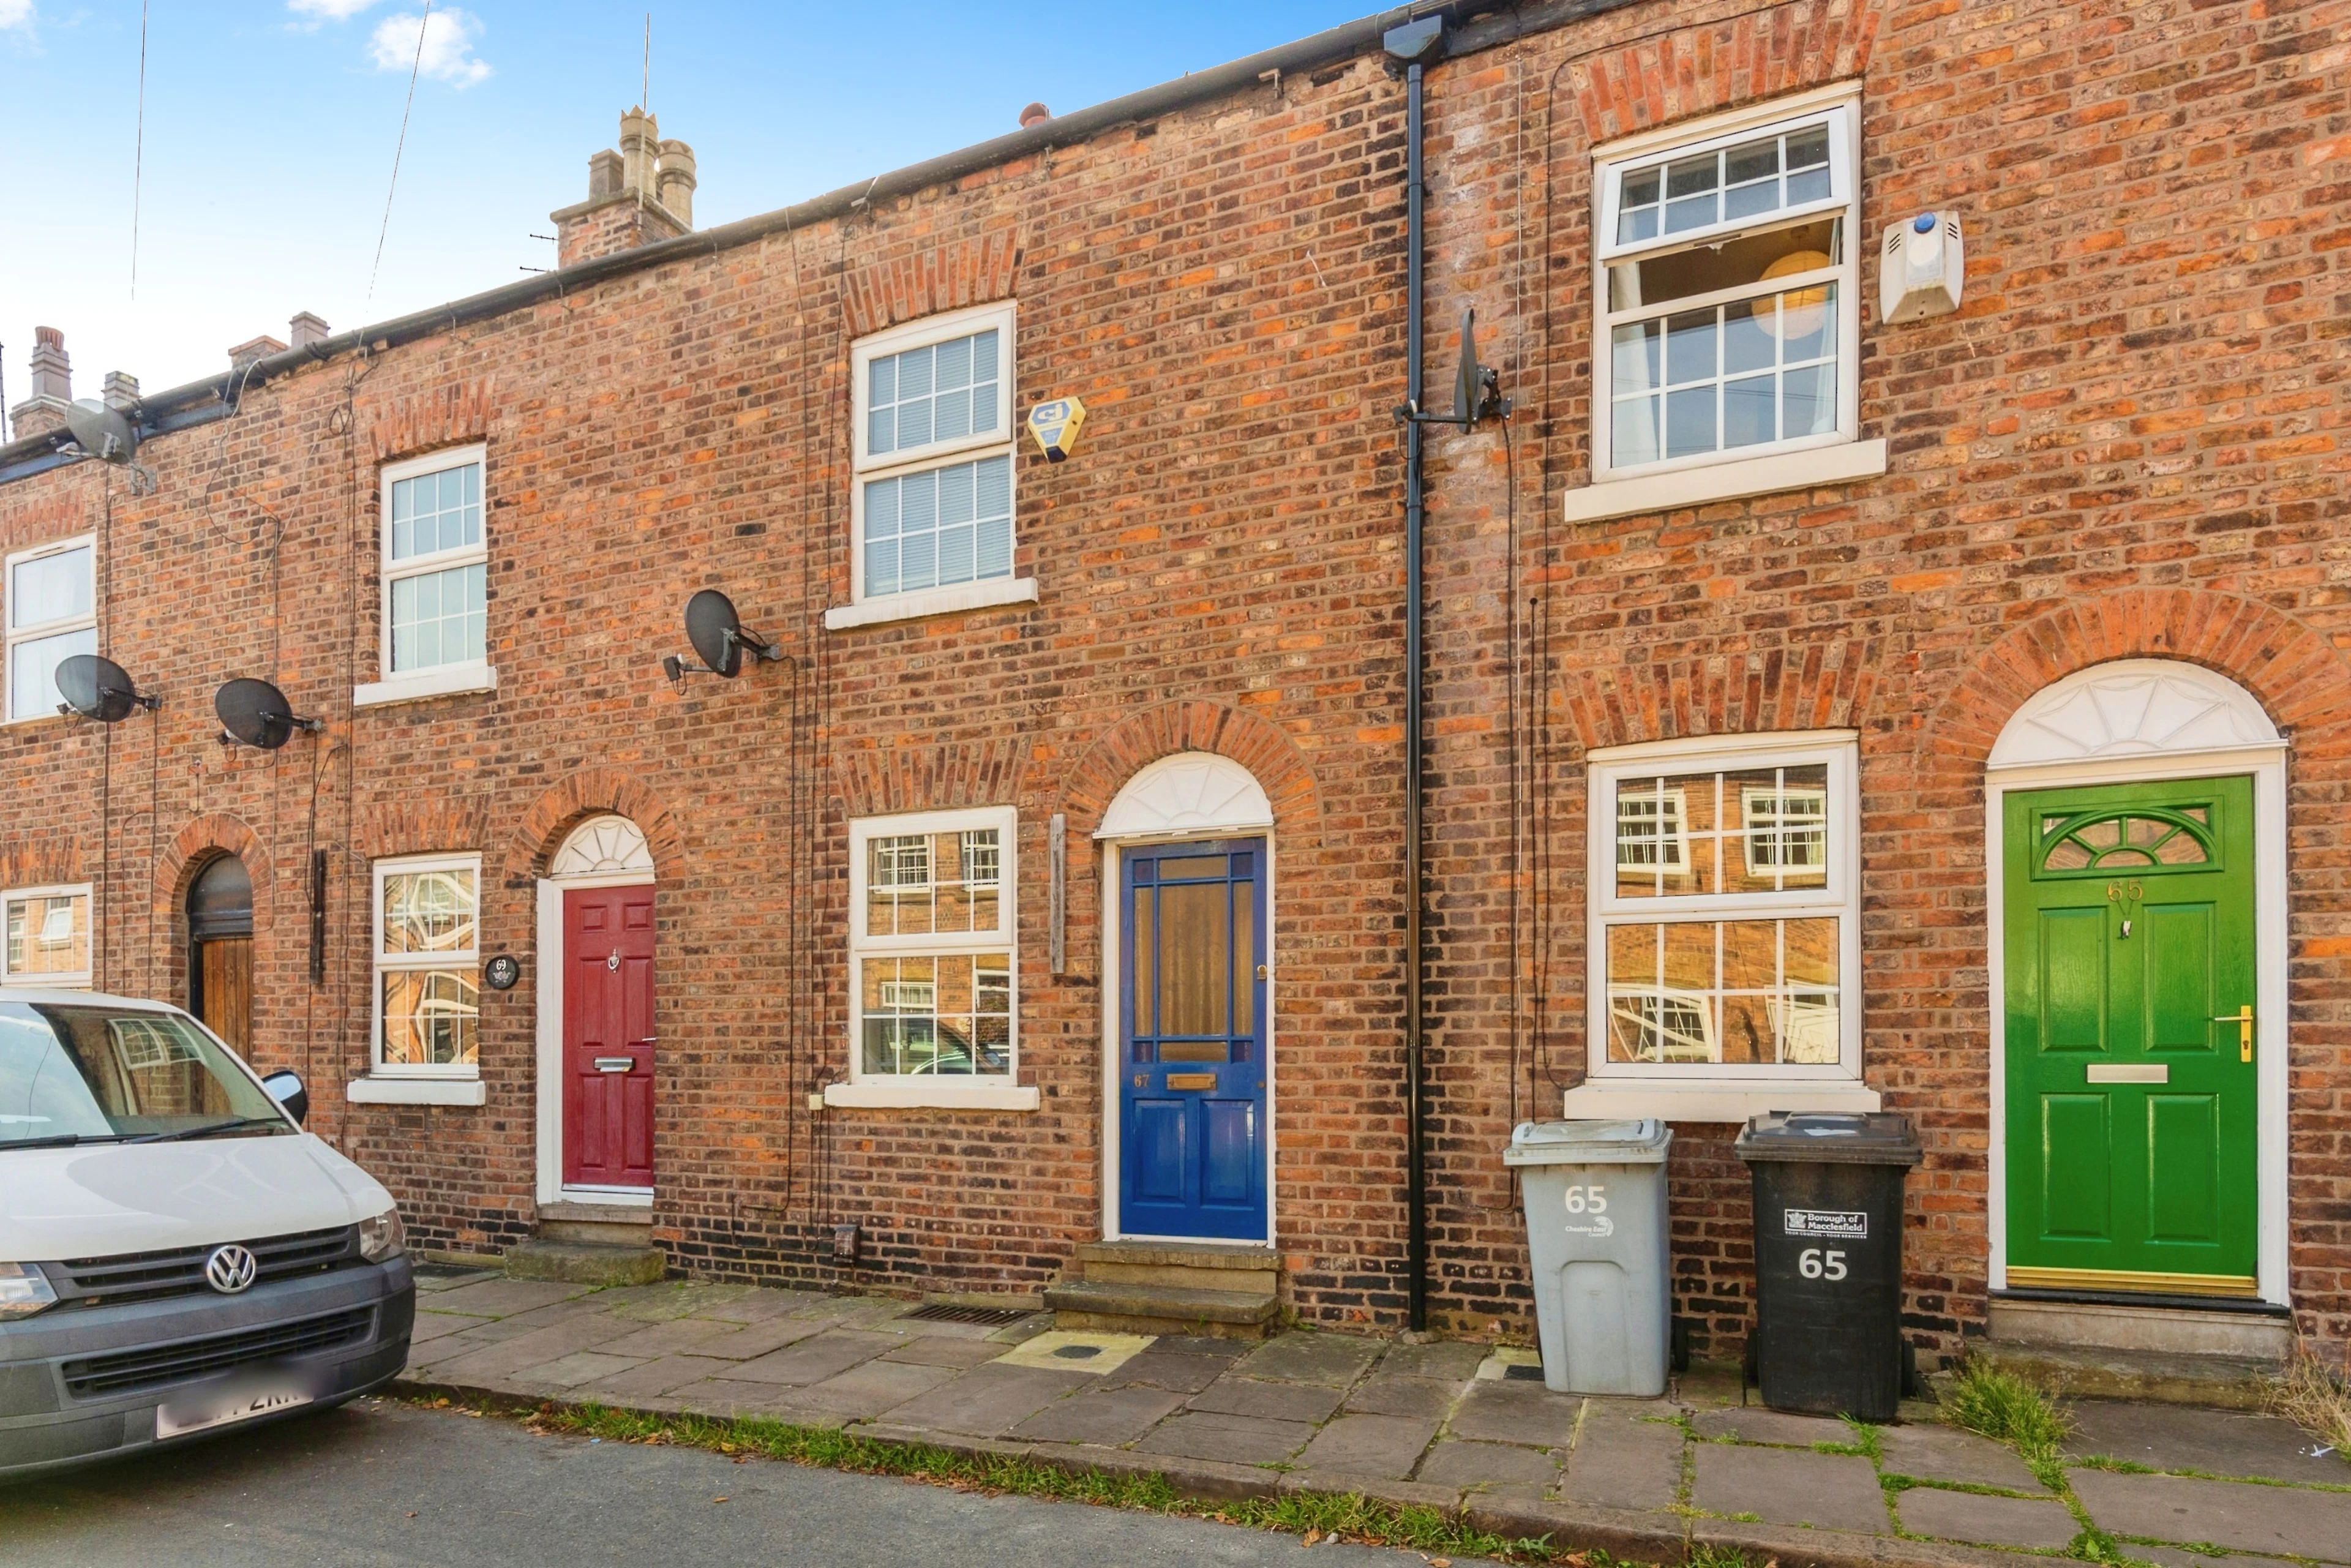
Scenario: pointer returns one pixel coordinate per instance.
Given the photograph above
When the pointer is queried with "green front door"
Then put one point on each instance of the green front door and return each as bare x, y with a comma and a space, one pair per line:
2129, 932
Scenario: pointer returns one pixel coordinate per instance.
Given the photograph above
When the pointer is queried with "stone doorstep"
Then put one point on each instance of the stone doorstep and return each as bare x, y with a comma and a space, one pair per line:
2154, 1377
1221, 1313
2163, 1331
1175, 1265
585, 1263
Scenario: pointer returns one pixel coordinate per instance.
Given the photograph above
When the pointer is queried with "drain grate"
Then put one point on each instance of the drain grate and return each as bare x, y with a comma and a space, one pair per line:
1523, 1374
948, 1312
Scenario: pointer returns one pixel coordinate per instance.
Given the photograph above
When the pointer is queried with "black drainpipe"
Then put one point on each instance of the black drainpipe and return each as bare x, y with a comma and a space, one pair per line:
1413, 44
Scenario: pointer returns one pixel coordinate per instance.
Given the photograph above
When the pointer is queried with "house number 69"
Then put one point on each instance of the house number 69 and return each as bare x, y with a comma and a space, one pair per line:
1587, 1200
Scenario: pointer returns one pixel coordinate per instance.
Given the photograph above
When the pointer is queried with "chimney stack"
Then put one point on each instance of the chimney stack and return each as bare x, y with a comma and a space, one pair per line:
638, 196
254, 349
120, 392
52, 373
305, 329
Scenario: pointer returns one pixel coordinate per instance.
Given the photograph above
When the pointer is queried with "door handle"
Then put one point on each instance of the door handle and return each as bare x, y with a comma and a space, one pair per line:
2243, 1018
615, 1063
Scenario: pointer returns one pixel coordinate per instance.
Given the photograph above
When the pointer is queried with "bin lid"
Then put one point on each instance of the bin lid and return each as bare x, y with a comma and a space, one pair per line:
1825, 1138
1637, 1142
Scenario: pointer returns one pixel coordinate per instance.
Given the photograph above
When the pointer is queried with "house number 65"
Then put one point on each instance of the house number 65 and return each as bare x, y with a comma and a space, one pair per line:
1587, 1200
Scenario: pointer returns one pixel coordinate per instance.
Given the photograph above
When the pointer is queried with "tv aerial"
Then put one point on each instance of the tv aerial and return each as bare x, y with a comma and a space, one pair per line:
257, 714
99, 688
109, 435
719, 638
1476, 389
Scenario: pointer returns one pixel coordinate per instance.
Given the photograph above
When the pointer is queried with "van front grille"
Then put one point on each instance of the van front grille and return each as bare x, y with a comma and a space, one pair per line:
124, 1371
179, 1270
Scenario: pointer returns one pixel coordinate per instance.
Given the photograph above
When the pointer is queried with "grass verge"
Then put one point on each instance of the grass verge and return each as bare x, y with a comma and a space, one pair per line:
1316, 1517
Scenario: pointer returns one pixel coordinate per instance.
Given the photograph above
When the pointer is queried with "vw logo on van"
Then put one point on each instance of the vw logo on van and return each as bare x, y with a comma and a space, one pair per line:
230, 1269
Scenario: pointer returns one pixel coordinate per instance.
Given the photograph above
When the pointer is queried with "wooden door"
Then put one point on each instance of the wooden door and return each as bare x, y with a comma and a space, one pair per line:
2131, 1116
607, 1037
1193, 1092
224, 988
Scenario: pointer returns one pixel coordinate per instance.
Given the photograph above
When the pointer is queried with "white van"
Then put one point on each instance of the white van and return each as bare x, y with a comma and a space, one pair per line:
176, 1254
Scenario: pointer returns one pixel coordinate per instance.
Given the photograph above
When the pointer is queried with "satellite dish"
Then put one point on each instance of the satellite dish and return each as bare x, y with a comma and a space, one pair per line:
104, 432
1476, 389
257, 714
719, 636
99, 689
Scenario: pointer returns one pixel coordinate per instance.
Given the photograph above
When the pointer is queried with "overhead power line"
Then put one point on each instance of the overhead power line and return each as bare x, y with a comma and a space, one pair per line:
423, 22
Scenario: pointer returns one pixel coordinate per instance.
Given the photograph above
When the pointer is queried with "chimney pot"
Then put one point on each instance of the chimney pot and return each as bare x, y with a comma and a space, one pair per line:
603, 175
306, 329
52, 389
1035, 114
640, 133
677, 181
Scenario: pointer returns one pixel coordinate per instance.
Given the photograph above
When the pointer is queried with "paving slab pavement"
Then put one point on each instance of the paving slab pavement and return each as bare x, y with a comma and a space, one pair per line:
1946, 1454
2039, 1524
2283, 1522
1445, 1424
2217, 1442
1780, 1486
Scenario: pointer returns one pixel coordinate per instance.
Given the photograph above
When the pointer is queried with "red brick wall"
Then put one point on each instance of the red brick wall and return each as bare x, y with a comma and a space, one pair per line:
2128, 442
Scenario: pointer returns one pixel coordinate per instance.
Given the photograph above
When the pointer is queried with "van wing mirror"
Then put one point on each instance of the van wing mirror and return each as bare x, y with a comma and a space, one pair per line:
284, 1087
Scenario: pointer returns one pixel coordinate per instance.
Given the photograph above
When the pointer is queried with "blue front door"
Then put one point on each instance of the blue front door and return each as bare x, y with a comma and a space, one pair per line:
1192, 1094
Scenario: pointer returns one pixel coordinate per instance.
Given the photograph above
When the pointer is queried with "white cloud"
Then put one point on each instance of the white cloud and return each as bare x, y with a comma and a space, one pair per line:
448, 46
324, 10
15, 14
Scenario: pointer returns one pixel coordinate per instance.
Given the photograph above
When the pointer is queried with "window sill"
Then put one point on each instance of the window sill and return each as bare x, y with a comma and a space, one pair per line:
1726, 481
931, 601
1610, 1100
415, 1091
449, 682
930, 1096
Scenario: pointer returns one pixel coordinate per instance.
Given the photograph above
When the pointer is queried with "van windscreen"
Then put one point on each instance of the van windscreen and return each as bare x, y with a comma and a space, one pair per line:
73, 1074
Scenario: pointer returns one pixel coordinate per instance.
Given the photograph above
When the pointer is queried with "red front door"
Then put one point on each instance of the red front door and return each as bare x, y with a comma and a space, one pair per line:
607, 1037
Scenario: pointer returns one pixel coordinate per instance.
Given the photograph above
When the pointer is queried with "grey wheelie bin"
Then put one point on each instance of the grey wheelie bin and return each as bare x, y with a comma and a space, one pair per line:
1595, 1200
1828, 1259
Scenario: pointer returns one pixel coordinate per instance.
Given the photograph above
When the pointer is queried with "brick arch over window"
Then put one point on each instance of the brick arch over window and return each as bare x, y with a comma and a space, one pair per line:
415, 827
946, 276
2294, 670
591, 792
43, 862
1698, 68
1162, 731
1823, 684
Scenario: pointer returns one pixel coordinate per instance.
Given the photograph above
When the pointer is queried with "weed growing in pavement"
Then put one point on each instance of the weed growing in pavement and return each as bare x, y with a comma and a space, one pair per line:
1704, 1556
1317, 1517
1867, 1440
2008, 1409
2317, 1398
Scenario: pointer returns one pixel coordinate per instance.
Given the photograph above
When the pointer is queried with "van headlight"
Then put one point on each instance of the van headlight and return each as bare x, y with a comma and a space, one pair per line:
383, 1236
24, 1291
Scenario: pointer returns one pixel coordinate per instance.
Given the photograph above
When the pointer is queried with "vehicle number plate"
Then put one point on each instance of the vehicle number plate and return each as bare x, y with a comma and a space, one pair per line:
241, 1399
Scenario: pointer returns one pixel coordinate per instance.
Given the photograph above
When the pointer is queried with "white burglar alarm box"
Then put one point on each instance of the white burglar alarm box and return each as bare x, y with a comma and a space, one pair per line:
1923, 268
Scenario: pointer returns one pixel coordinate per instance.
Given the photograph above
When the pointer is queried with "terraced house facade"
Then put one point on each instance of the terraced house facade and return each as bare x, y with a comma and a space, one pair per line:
1827, 700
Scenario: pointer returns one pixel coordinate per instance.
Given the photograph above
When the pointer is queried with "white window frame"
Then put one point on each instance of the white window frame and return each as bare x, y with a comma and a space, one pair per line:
1765, 466
16, 635
866, 608
76, 980
995, 1092
1839, 897
435, 680
468, 958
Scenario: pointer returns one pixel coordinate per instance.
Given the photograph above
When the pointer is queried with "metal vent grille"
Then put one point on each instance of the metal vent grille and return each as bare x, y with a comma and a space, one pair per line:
948, 1312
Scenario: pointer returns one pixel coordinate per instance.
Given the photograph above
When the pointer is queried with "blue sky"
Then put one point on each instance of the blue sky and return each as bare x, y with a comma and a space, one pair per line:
270, 127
